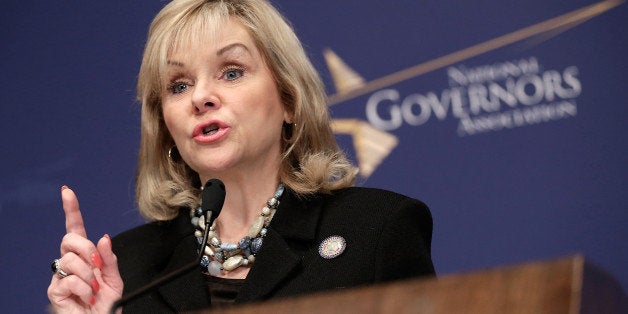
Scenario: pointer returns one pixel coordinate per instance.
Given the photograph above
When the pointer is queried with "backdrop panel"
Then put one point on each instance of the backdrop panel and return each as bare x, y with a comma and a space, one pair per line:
508, 118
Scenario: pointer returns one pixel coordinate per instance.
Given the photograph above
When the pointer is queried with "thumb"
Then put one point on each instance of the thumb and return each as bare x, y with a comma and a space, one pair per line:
110, 272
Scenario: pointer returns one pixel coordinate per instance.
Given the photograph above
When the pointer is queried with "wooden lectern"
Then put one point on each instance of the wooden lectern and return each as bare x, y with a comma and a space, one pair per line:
569, 285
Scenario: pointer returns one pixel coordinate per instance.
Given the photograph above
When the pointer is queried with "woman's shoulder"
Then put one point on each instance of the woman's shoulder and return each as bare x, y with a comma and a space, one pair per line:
374, 197
372, 206
141, 234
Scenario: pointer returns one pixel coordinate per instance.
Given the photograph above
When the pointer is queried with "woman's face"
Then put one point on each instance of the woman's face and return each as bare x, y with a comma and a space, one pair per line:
222, 107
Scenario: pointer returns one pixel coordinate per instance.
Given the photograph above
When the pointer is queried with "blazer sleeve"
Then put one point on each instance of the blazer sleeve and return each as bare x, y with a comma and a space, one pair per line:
405, 242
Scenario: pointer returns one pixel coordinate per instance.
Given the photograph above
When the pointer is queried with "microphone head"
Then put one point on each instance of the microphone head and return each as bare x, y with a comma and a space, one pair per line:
213, 197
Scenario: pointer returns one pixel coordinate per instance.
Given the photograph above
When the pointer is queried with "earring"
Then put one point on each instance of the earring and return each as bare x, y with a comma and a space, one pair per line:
173, 154
287, 131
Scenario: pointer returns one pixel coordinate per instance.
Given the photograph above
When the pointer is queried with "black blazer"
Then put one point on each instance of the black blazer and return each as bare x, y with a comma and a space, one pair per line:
387, 237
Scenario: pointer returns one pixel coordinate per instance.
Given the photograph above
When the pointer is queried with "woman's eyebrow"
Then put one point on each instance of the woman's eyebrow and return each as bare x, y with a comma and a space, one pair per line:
232, 47
175, 63
220, 52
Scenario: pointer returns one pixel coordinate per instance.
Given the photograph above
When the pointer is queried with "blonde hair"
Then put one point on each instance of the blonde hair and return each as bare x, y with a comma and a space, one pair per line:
312, 161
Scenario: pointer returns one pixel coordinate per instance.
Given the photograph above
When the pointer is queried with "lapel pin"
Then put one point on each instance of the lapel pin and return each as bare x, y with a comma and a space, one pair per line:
332, 247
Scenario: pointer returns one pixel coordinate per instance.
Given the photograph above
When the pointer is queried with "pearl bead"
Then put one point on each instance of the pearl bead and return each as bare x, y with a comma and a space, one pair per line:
256, 227
272, 202
214, 268
233, 262
201, 222
265, 211
214, 241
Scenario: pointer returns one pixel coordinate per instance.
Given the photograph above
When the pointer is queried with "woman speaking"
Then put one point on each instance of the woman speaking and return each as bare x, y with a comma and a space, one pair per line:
227, 92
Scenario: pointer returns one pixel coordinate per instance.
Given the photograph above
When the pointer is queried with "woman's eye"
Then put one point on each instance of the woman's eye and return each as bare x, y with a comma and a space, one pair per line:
233, 74
178, 87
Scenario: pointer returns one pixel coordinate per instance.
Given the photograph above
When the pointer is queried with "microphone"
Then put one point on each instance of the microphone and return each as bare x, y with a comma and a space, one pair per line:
212, 199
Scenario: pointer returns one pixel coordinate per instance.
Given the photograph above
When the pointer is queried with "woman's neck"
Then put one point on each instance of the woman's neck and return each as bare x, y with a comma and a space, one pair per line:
244, 201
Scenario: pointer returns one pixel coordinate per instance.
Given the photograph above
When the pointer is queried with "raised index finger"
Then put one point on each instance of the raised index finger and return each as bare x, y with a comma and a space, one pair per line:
73, 218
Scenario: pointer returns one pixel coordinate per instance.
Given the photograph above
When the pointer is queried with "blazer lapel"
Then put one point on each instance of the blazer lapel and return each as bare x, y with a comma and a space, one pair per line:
296, 220
189, 291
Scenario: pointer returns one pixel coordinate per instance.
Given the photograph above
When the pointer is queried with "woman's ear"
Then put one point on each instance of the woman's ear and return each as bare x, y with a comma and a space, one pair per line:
288, 117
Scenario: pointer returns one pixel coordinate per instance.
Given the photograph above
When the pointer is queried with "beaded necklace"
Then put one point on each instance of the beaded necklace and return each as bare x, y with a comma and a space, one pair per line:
218, 256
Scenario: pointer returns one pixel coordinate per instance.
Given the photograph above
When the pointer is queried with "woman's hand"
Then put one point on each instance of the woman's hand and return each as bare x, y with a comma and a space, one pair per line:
93, 282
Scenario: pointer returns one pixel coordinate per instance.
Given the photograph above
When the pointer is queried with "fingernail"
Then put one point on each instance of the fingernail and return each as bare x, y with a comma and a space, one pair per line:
107, 236
92, 300
96, 260
95, 286
65, 187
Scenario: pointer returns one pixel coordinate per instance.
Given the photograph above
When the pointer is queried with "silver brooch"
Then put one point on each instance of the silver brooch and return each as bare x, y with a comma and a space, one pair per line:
332, 247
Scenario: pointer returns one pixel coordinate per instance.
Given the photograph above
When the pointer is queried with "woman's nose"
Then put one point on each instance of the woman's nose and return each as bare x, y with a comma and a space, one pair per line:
204, 98
202, 107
